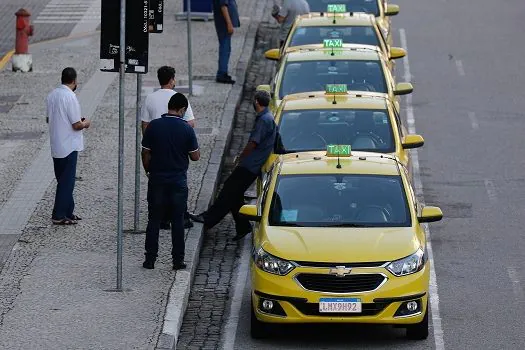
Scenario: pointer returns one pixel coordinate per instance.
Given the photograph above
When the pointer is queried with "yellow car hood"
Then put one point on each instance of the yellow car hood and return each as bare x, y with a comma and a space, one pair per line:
340, 244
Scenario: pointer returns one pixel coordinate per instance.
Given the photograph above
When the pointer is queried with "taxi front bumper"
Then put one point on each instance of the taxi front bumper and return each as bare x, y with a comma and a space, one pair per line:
293, 303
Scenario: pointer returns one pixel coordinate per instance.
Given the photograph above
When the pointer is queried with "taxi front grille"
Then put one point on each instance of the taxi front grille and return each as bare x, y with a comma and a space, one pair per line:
340, 284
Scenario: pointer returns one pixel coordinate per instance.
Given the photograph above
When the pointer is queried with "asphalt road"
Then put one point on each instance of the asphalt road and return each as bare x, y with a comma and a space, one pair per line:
465, 61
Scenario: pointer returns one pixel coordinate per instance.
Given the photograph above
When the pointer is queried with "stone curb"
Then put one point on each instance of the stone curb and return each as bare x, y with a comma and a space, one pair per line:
181, 287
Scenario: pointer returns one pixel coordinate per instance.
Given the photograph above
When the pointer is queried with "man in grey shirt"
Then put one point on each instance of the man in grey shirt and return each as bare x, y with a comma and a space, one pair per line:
286, 14
259, 147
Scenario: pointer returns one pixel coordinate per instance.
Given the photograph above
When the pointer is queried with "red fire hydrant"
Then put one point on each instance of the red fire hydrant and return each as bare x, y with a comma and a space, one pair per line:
22, 60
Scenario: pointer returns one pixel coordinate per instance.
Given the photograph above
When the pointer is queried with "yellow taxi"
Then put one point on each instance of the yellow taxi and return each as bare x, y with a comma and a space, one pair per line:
360, 67
339, 240
367, 121
352, 28
379, 8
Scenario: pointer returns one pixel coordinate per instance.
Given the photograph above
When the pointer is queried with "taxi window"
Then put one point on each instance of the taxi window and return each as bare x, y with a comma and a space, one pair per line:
365, 35
312, 130
330, 200
304, 76
368, 6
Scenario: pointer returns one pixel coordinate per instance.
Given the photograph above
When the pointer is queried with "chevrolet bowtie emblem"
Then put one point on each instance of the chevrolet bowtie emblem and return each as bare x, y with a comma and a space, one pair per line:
340, 271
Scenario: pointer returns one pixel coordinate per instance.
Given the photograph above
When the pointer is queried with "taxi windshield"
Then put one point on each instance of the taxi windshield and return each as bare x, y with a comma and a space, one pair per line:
368, 6
312, 130
364, 35
358, 75
335, 200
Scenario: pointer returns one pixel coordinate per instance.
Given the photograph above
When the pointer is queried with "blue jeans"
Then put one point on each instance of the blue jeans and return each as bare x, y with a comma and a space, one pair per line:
225, 48
170, 198
65, 171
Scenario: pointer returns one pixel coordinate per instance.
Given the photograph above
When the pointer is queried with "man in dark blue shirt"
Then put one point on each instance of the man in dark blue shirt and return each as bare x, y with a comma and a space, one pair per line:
251, 160
167, 144
226, 17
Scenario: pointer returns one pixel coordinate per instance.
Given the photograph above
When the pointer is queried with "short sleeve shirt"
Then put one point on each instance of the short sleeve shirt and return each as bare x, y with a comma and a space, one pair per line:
263, 134
290, 10
156, 104
170, 140
220, 23
63, 110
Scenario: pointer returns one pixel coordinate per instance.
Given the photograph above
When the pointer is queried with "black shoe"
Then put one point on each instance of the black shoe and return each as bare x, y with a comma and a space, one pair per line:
225, 79
187, 223
148, 264
240, 236
197, 217
179, 265
165, 225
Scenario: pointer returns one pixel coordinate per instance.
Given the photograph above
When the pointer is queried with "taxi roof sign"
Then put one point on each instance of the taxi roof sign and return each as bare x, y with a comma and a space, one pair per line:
336, 8
333, 43
336, 89
338, 151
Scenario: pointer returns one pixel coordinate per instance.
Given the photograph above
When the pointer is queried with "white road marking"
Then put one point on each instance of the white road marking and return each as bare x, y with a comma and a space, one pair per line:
473, 120
491, 190
230, 329
459, 66
86, 13
516, 285
434, 295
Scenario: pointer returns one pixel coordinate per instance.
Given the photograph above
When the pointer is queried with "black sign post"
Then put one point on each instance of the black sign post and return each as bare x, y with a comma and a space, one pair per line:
156, 16
136, 54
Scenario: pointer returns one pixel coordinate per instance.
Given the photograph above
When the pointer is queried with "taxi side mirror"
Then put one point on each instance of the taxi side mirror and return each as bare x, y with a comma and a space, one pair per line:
272, 54
397, 52
412, 141
430, 214
403, 89
249, 211
391, 10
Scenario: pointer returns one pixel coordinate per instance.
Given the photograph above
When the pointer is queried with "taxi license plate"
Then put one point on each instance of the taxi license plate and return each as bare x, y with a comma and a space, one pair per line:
343, 305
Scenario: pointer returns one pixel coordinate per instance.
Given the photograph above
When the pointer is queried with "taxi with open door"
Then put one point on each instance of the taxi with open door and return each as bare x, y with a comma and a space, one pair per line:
367, 121
379, 8
352, 28
360, 67
339, 239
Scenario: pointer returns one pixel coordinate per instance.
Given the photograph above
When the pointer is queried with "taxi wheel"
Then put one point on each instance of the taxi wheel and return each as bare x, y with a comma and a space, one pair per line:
258, 329
419, 331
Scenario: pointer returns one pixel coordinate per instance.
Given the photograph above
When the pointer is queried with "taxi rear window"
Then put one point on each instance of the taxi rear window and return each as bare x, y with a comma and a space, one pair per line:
358, 75
368, 6
364, 35
312, 130
334, 200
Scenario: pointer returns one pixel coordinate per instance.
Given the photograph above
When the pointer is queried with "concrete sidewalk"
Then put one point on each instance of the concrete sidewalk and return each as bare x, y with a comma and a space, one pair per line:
53, 281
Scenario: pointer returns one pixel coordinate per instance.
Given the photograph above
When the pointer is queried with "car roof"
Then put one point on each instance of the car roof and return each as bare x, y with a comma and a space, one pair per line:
353, 52
321, 100
342, 19
364, 163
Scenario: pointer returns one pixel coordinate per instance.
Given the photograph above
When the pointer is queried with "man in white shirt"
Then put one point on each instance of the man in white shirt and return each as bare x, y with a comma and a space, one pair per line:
155, 106
66, 138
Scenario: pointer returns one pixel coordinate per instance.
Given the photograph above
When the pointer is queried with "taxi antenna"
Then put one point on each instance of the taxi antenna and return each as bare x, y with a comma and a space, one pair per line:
338, 160
333, 22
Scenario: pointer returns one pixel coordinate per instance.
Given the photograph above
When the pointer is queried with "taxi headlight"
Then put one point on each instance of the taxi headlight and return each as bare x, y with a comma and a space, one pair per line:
272, 264
409, 265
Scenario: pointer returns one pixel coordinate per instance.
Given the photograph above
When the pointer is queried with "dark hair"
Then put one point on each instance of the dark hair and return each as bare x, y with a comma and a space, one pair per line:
165, 74
263, 97
69, 75
177, 102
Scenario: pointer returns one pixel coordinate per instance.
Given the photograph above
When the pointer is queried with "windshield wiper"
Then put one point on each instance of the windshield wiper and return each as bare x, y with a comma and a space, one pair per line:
289, 224
347, 224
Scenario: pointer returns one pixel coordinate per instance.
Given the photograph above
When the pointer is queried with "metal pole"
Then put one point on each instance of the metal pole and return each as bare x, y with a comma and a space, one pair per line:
190, 78
137, 155
122, 47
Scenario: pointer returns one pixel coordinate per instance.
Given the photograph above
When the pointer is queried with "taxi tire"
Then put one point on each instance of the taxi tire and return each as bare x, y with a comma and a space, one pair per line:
258, 329
419, 331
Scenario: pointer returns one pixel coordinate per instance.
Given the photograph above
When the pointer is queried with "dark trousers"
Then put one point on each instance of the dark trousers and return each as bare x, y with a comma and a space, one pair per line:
225, 48
65, 171
231, 199
163, 198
